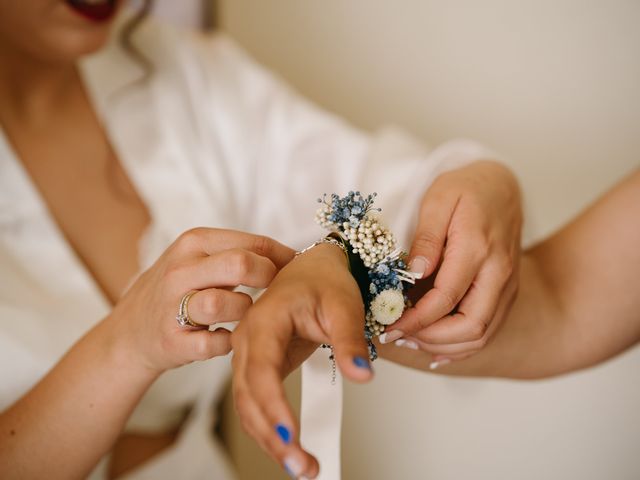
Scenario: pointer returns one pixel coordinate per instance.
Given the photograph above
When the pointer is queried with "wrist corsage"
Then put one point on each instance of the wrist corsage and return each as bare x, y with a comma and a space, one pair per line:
375, 261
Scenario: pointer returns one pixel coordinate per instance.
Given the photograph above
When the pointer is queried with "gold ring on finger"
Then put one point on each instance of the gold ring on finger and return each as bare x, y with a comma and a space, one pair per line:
183, 318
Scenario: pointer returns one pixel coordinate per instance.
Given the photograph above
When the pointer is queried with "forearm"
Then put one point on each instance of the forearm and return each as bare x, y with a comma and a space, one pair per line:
62, 427
529, 338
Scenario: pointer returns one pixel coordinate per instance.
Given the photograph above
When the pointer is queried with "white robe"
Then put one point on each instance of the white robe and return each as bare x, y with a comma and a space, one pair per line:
211, 139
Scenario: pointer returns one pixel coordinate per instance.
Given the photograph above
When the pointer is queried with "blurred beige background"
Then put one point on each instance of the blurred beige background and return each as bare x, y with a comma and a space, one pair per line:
554, 86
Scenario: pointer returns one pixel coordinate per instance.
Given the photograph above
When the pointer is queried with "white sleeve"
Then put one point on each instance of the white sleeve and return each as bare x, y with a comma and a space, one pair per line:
297, 151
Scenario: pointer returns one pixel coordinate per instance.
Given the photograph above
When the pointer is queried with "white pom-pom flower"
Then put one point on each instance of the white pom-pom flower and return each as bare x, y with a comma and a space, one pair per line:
387, 306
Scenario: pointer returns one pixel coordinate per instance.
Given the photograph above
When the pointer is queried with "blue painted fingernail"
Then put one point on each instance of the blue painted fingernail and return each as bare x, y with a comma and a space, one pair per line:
361, 362
284, 433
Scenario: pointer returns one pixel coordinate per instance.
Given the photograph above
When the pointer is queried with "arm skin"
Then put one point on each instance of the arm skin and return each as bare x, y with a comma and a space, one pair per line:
579, 300
74, 415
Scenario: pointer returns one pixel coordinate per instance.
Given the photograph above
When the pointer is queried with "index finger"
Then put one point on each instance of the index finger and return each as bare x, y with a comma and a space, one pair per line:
344, 320
271, 419
459, 268
210, 241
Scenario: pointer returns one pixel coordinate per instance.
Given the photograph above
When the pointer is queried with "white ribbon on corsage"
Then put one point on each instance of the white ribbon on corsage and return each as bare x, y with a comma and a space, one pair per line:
321, 413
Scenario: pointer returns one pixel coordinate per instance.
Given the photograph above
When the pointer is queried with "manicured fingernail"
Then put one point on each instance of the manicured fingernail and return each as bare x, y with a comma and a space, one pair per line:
361, 362
293, 467
284, 433
439, 363
389, 337
407, 344
418, 266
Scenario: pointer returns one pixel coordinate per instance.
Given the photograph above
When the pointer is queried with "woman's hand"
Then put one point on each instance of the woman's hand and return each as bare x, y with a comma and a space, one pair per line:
89, 394
469, 236
210, 261
313, 300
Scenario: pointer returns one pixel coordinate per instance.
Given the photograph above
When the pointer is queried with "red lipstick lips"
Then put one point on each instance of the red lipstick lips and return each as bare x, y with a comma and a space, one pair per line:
95, 10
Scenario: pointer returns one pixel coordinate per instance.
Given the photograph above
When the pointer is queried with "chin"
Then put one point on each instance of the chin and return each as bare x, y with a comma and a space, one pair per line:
55, 31
69, 46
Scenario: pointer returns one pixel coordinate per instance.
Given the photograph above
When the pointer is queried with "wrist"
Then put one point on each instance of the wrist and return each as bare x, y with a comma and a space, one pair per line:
326, 249
328, 252
117, 347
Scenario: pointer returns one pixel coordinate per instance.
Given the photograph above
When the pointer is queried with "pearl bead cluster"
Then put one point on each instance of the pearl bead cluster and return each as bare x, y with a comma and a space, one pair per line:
370, 240
322, 217
373, 326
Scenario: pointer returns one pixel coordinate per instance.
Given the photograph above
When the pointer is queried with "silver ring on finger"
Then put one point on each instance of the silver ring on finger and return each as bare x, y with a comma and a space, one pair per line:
183, 318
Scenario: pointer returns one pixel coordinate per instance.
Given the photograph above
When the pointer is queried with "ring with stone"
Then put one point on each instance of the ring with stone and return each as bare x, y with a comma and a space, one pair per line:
183, 318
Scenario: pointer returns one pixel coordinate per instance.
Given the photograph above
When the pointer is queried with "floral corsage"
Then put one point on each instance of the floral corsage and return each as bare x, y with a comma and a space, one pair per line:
375, 261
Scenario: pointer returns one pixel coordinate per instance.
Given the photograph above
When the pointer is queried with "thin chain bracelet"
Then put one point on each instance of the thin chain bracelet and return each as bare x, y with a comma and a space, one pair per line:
332, 361
331, 240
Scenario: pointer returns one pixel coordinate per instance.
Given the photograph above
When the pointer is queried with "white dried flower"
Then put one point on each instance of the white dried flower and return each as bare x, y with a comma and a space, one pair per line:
322, 217
372, 240
387, 306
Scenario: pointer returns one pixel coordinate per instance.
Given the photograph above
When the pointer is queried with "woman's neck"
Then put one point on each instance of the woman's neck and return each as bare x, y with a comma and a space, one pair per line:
32, 90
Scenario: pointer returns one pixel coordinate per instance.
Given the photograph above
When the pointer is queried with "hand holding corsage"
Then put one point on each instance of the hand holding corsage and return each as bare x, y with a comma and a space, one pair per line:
319, 298
468, 243
314, 300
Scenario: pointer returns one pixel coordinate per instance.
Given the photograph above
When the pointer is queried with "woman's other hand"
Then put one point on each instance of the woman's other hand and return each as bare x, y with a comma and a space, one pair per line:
211, 262
313, 300
468, 237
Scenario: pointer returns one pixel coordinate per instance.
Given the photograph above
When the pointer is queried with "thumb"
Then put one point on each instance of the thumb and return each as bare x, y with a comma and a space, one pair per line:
347, 337
431, 233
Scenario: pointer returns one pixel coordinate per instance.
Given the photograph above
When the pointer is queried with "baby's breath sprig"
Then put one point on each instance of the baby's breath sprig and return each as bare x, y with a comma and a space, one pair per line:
355, 219
337, 211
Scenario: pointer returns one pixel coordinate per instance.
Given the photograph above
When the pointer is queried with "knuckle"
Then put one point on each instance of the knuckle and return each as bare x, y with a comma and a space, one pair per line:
213, 303
484, 247
244, 300
505, 267
239, 263
448, 298
190, 238
427, 239
175, 273
477, 329
262, 245
479, 246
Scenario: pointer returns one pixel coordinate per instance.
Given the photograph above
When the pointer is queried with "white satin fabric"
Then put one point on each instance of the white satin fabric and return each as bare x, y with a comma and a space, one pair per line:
210, 139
